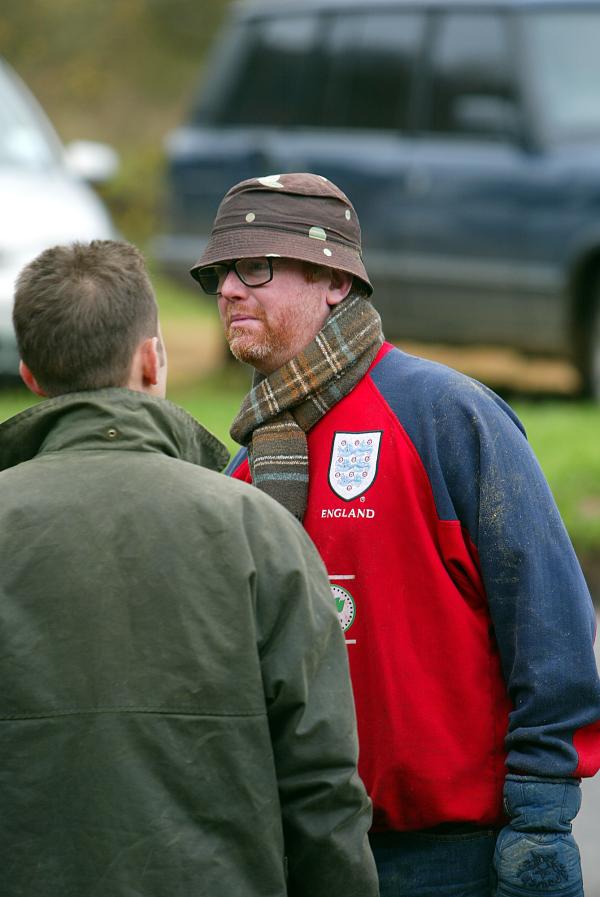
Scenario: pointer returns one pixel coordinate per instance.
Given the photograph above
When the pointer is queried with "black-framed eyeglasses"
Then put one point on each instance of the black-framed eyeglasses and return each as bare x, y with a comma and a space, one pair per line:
254, 272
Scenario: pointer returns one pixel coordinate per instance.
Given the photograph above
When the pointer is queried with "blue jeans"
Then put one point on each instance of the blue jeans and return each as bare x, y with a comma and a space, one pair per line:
430, 864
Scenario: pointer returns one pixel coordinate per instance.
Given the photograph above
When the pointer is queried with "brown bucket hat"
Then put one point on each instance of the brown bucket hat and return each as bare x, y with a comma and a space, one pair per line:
298, 216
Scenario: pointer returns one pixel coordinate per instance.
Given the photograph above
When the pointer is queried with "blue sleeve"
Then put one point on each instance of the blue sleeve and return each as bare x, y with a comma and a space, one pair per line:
484, 474
235, 462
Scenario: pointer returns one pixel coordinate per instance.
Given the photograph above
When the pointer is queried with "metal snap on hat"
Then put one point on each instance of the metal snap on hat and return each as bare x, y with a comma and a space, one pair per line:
298, 216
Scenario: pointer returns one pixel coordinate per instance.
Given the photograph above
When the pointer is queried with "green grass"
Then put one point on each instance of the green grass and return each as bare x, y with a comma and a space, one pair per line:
12, 401
565, 436
214, 401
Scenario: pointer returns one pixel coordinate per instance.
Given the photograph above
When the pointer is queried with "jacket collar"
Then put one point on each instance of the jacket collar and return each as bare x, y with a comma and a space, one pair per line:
108, 419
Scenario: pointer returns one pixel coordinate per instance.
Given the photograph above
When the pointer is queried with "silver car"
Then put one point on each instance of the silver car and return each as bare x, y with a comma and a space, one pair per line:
44, 197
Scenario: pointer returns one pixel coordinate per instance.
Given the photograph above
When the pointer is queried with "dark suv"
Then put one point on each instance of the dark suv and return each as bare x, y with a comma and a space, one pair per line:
467, 134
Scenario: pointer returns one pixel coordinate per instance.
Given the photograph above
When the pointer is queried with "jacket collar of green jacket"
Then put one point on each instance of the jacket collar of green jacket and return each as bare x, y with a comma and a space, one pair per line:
120, 419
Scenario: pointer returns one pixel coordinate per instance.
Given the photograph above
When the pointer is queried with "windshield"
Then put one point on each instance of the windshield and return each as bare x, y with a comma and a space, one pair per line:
562, 49
25, 138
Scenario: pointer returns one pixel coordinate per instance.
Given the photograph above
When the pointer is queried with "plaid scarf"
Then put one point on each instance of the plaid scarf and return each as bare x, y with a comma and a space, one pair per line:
281, 408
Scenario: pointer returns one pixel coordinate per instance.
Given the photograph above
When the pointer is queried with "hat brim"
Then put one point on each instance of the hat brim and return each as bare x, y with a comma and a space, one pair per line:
247, 242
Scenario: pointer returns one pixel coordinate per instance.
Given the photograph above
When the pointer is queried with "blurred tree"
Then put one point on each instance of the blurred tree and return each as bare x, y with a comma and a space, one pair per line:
120, 71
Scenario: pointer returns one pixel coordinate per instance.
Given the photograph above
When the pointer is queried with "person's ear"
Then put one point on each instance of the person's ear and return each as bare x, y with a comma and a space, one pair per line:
30, 381
151, 360
339, 286
148, 371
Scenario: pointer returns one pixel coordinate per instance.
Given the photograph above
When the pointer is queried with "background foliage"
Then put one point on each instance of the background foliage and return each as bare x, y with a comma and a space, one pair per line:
91, 64
122, 72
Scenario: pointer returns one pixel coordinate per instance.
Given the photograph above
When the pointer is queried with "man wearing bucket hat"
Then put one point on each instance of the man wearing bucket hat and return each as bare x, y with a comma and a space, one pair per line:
468, 622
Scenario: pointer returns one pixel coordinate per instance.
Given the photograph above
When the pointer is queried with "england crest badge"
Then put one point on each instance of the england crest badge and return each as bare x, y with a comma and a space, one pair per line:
354, 460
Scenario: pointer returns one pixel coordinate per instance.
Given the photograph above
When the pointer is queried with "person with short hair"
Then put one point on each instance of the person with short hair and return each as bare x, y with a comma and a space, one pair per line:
177, 717
81, 311
467, 619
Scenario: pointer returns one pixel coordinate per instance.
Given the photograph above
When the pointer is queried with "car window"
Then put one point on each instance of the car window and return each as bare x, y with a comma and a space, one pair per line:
372, 68
563, 49
25, 137
279, 81
472, 88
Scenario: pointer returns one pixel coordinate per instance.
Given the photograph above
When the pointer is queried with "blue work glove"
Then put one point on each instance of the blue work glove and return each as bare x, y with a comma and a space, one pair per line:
536, 853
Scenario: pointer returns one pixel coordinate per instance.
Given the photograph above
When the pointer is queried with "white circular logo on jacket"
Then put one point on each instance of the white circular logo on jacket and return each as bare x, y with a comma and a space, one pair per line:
345, 607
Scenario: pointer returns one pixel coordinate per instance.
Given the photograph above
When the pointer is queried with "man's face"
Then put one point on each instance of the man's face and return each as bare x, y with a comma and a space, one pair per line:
267, 326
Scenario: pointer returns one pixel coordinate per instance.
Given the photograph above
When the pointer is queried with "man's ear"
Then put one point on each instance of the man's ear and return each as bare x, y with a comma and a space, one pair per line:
148, 371
151, 360
29, 380
339, 286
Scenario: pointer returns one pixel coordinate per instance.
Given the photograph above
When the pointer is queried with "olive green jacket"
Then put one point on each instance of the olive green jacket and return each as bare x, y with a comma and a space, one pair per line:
176, 715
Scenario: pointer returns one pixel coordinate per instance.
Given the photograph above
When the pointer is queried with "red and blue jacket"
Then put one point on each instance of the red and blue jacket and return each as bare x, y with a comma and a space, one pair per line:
467, 619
